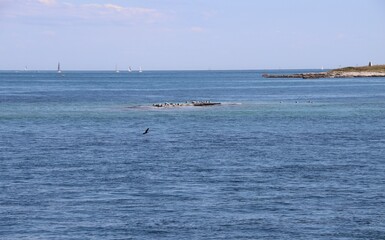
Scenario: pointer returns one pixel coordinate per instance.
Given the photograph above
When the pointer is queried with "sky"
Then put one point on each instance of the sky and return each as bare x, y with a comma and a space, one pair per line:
190, 34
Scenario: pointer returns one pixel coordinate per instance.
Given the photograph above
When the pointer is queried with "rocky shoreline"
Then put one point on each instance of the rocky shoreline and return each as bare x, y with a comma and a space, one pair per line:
331, 74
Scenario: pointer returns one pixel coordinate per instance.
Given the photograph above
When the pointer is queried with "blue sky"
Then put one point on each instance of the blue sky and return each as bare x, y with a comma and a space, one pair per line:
191, 34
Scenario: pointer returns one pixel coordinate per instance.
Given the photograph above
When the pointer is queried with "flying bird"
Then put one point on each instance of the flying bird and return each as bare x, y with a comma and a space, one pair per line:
145, 132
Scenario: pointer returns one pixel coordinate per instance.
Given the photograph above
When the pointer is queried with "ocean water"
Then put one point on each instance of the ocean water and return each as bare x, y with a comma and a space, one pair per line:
278, 159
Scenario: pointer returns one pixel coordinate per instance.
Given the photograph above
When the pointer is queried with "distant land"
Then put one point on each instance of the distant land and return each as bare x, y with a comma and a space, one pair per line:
347, 72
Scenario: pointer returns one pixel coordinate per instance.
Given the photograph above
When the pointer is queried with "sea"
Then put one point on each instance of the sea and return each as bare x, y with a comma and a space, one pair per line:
277, 159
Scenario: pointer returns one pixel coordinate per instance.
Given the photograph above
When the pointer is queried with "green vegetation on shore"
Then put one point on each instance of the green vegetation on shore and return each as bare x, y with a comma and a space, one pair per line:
374, 68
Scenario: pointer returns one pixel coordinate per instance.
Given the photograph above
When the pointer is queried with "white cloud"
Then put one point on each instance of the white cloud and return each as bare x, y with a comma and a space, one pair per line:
47, 2
117, 10
114, 7
56, 11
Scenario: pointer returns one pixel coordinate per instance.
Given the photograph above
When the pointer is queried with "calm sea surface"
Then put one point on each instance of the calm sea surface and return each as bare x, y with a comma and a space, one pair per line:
279, 159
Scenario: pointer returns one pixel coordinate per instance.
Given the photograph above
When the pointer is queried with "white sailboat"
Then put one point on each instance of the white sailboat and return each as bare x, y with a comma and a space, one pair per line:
140, 69
58, 68
129, 69
116, 69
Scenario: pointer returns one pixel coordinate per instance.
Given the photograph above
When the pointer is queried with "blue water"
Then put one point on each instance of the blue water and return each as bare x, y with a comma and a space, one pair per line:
279, 159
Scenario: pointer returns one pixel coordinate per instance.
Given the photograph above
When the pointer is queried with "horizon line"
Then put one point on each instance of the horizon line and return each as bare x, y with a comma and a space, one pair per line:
156, 70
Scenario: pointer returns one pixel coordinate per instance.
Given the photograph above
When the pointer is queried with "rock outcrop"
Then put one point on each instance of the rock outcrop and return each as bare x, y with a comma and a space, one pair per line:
350, 72
335, 74
297, 75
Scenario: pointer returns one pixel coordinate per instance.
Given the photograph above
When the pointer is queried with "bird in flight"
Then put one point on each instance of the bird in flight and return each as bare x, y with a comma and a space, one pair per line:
145, 132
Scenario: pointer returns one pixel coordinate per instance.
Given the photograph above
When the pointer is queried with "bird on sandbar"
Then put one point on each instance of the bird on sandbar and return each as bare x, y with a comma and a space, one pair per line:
145, 132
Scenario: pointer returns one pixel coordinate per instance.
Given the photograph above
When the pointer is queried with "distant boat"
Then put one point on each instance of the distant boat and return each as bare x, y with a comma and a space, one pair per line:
129, 69
26, 68
140, 69
116, 69
58, 68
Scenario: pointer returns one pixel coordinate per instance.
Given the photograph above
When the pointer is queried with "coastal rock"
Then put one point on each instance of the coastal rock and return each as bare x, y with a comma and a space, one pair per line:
347, 72
337, 74
298, 75
331, 74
